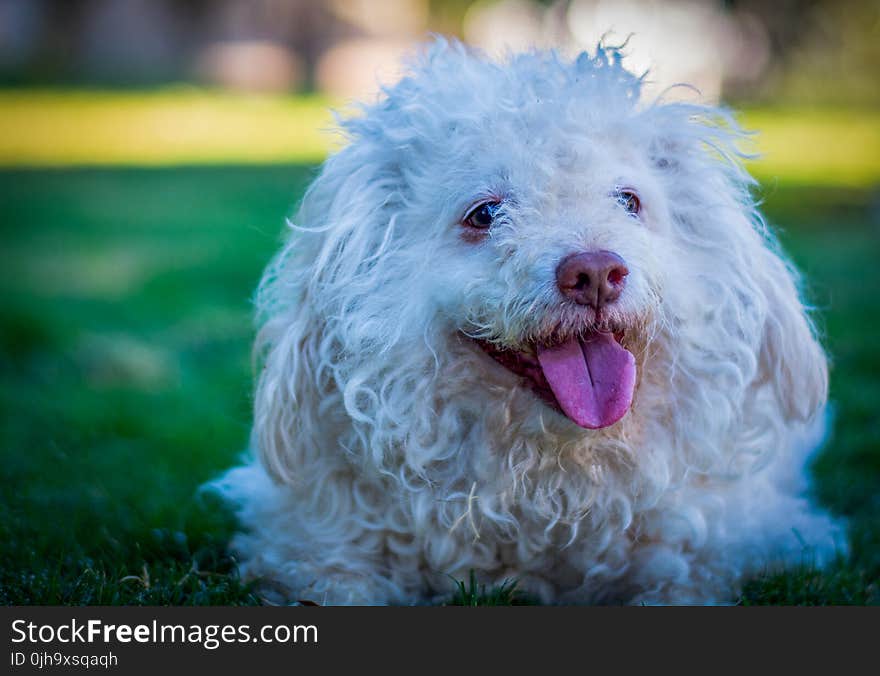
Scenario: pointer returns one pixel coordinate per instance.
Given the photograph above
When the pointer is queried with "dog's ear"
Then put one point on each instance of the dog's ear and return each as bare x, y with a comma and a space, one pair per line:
791, 358
315, 306
695, 152
286, 420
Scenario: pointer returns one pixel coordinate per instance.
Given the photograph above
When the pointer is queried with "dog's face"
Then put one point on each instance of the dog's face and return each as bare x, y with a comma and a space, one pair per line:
544, 230
538, 214
553, 252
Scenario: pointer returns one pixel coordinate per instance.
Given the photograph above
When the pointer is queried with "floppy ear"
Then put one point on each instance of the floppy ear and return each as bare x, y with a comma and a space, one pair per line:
306, 306
695, 151
285, 415
286, 358
791, 359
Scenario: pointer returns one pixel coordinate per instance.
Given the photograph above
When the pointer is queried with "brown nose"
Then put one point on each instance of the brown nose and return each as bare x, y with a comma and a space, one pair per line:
594, 278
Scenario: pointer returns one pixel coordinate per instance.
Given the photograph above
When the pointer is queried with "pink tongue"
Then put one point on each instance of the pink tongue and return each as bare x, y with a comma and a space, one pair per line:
592, 378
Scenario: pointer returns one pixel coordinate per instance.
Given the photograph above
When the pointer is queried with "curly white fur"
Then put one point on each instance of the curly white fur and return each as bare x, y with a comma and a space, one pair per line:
393, 453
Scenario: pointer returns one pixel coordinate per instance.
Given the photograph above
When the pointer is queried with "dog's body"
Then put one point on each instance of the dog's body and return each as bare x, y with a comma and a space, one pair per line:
427, 333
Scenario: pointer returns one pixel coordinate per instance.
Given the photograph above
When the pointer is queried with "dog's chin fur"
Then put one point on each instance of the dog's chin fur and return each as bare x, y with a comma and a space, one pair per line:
390, 452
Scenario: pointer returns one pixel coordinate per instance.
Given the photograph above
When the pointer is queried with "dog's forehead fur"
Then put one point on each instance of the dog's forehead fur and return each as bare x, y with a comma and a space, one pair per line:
546, 127
527, 93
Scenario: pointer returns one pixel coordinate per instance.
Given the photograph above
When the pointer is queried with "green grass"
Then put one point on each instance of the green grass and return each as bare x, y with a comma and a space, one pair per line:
816, 146
125, 325
126, 377
175, 125
472, 593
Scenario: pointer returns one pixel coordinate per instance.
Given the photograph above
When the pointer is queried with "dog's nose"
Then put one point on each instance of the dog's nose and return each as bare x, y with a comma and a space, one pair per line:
593, 278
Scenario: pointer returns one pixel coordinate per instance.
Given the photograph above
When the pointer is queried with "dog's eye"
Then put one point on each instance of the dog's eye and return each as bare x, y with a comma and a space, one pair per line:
482, 215
629, 200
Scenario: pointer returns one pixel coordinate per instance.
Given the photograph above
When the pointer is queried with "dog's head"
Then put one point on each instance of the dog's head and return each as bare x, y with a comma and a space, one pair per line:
535, 216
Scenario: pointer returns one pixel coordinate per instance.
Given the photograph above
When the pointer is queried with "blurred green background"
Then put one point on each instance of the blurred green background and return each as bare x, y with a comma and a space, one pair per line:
149, 152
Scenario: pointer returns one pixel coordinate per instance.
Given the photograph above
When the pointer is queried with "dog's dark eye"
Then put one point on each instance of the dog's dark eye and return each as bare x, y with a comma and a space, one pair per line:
629, 200
482, 215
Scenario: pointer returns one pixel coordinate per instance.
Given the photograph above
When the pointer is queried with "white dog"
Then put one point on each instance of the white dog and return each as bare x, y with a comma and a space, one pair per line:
528, 326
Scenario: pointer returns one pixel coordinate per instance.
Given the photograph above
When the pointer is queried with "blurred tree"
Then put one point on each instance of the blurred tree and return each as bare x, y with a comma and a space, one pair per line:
819, 51
822, 51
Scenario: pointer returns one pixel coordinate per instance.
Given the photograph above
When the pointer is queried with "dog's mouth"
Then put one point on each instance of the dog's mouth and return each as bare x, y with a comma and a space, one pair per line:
590, 378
